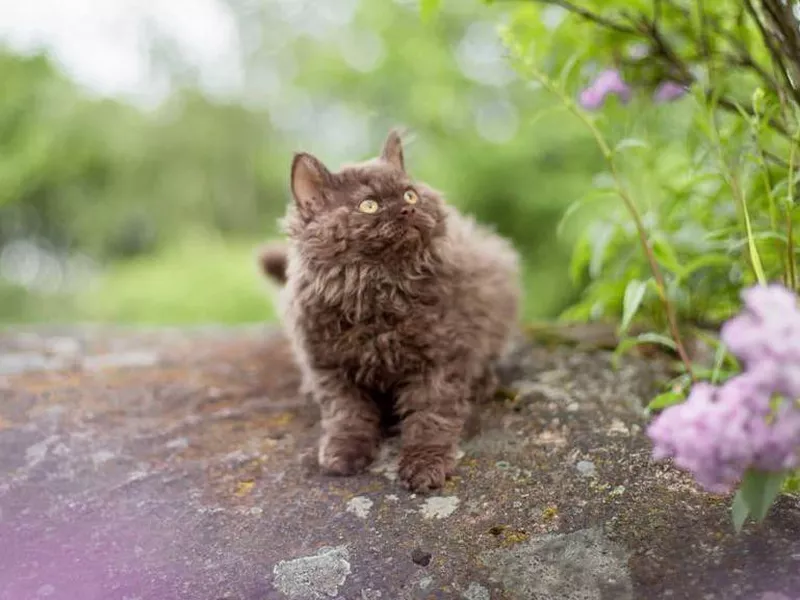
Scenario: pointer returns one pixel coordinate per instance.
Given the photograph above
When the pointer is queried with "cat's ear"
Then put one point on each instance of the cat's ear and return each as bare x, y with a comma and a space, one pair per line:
310, 178
393, 150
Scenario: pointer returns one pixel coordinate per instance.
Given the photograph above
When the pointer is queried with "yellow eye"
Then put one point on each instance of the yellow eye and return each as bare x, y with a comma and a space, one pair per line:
368, 206
410, 196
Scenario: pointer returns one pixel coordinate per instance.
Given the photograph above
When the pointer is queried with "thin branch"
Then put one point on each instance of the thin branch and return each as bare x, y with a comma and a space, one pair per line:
775, 159
731, 106
742, 57
789, 221
785, 22
651, 31
665, 49
703, 19
630, 205
748, 62
769, 42
591, 16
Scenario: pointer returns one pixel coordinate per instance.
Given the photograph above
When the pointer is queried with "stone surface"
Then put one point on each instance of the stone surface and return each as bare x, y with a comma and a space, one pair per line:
180, 464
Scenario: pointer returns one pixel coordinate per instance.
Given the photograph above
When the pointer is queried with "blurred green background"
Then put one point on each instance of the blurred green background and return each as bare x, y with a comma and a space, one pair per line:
145, 148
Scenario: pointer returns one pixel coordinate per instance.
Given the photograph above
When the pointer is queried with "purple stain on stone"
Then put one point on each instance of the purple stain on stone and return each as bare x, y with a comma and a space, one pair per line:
86, 557
607, 82
668, 91
753, 419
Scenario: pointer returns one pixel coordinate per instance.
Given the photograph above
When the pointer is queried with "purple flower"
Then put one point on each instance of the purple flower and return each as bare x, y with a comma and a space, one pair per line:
669, 90
775, 443
607, 82
753, 419
751, 389
698, 434
591, 98
766, 335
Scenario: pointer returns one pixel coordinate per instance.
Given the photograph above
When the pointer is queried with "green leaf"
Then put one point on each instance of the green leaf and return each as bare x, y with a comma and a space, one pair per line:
708, 260
719, 359
602, 237
755, 258
581, 255
545, 112
657, 338
759, 490
665, 254
643, 338
575, 206
566, 70
630, 143
571, 209
634, 294
666, 400
791, 484
714, 376
428, 8
766, 235
739, 511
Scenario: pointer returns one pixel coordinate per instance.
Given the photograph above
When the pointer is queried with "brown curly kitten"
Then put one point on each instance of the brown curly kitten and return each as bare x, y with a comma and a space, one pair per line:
395, 304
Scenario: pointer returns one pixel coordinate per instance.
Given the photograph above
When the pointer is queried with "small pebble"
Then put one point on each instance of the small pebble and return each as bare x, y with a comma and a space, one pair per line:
586, 468
477, 592
421, 558
425, 582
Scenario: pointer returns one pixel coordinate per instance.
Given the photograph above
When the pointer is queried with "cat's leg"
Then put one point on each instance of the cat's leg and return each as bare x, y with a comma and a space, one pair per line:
434, 408
351, 420
485, 387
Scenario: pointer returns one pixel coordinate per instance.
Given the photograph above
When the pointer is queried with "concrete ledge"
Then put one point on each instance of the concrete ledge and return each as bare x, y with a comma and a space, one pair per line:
179, 464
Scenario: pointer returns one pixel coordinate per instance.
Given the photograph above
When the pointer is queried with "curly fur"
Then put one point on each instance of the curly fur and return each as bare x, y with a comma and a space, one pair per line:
402, 311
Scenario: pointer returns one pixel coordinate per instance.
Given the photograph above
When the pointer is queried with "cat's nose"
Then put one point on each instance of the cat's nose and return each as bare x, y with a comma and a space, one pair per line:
407, 210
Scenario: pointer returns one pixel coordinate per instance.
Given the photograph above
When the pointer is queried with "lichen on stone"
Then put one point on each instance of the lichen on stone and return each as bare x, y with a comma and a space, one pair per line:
315, 577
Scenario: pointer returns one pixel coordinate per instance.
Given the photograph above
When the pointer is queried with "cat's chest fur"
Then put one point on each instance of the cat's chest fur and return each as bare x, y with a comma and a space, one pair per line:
376, 332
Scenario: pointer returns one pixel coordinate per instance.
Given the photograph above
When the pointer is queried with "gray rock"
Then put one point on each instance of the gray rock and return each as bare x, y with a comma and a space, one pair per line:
476, 591
582, 565
181, 465
586, 468
313, 577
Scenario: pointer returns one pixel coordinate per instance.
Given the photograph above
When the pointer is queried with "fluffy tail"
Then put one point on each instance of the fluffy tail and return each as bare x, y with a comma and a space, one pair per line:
272, 259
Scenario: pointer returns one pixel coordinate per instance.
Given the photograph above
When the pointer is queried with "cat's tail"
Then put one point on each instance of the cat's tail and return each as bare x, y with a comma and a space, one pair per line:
272, 258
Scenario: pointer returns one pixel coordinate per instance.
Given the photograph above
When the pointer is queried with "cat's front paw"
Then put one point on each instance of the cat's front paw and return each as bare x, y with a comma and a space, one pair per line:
345, 455
425, 468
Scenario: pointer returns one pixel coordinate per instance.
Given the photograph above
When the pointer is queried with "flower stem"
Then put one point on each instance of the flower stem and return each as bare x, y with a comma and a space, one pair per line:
732, 179
792, 283
609, 155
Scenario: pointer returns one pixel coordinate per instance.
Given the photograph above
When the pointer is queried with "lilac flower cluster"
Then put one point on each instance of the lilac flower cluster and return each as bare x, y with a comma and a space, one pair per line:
610, 82
607, 82
753, 419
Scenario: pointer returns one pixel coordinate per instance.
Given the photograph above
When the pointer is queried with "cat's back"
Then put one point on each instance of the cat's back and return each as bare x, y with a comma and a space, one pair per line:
478, 250
486, 277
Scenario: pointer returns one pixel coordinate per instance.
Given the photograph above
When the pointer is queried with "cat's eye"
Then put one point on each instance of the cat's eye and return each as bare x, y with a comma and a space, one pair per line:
368, 206
411, 197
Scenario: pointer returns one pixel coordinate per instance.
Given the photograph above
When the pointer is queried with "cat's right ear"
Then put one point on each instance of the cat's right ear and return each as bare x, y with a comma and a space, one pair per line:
309, 181
393, 150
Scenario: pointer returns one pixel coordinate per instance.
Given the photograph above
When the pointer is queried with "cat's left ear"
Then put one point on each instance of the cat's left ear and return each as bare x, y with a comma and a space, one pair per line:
393, 150
310, 180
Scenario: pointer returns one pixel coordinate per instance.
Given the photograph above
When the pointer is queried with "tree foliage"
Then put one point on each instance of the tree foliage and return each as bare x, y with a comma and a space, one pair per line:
111, 182
698, 199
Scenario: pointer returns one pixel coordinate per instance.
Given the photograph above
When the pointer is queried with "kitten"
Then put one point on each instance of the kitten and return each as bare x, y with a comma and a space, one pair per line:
394, 302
